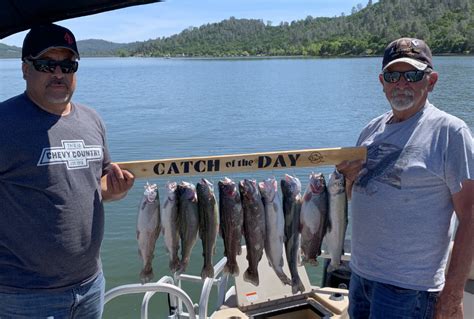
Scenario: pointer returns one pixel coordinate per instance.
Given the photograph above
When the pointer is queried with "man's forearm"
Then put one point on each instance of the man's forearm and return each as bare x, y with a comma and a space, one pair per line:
461, 259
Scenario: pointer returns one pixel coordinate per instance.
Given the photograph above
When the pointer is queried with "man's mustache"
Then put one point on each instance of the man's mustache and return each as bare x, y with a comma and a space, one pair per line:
58, 82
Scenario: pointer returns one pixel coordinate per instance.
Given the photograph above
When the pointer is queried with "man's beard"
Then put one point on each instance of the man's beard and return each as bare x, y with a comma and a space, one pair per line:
59, 97
402, 99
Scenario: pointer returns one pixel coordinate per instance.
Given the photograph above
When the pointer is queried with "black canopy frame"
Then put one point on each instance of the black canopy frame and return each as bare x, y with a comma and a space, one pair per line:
19, 15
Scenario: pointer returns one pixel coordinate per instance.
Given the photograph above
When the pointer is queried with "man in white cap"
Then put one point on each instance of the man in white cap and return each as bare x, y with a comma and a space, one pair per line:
55, 173
419, 170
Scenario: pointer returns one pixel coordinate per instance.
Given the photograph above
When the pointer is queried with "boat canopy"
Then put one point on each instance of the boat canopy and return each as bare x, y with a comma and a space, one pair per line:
19, 15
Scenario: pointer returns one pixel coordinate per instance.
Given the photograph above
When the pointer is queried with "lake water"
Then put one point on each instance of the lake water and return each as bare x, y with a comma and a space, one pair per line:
165, 108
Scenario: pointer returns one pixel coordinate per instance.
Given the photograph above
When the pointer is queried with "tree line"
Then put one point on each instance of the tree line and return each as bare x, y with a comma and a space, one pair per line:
446, 25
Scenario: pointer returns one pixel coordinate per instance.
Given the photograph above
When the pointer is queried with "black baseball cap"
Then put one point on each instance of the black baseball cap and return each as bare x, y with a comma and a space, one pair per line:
44, 37
409, 50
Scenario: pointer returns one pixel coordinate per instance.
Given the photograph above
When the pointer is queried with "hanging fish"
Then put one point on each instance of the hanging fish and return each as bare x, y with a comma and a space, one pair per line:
208, 224
275, 227
338, 220
169, 224
254, 227
148, 229
314, 215
188, 221
291, 190
231, 223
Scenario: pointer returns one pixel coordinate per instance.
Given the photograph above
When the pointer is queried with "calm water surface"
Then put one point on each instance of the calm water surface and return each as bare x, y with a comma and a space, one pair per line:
163, 108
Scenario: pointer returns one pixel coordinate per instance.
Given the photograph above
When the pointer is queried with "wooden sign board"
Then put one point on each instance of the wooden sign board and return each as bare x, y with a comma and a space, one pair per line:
235, 163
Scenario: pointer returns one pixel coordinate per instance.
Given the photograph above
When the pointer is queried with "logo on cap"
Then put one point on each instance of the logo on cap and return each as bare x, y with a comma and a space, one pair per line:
68, 38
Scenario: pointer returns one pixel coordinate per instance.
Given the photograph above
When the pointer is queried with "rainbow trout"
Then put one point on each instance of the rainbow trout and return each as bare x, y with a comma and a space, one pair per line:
338, 220
188, 221
314, 215
291, 189
275, 227
231, 222
208, 224
254, 227
148, 229
169, 225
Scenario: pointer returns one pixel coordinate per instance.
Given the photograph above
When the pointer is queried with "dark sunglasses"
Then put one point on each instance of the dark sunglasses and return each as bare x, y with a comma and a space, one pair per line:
49, 66
410, 76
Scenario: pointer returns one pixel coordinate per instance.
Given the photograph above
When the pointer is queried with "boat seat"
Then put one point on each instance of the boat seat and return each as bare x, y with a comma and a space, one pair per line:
270, 286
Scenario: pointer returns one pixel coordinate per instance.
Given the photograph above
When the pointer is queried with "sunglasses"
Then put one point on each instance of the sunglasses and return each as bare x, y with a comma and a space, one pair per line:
410, 76
49, 66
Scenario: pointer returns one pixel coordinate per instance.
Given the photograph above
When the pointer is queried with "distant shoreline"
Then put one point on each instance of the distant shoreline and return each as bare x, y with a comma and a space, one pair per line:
251, 57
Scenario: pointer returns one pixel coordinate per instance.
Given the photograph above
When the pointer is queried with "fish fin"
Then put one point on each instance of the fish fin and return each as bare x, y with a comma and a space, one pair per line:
307, 197
275, 207
281, 262
328, 224
207, 272
251, 278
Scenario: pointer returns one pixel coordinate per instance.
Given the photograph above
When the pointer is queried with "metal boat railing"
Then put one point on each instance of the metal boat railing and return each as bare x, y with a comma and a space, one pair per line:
178, 296
207, 287
160, 286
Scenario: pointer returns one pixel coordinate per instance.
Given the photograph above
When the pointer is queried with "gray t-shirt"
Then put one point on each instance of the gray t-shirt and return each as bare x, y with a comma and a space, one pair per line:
51, 212
402, 208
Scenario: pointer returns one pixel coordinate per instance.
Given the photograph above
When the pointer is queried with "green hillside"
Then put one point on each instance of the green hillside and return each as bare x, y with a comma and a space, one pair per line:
95, 47
7, 51
446, 25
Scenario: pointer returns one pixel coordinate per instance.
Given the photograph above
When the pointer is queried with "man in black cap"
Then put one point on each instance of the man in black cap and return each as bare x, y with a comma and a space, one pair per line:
419, 170
55, 172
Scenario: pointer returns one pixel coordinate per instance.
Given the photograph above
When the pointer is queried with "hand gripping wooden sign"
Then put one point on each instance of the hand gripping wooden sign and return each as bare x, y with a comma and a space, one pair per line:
227, 164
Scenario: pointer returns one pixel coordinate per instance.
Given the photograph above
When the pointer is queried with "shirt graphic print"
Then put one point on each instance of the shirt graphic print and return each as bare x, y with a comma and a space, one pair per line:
75, 154
385, 164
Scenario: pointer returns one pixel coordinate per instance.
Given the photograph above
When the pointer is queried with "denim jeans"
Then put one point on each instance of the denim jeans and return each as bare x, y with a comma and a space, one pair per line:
79, 302
375, 300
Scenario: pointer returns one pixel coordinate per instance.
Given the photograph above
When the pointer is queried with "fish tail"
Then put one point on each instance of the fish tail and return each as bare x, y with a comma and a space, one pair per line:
251, 277
146, 275
333, 266
231, 269
313, 262
207, 272
284, 278
182, 267
297, 285
174, 265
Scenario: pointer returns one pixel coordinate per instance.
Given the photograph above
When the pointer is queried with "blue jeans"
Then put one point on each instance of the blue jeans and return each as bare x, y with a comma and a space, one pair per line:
375, 300
86, 301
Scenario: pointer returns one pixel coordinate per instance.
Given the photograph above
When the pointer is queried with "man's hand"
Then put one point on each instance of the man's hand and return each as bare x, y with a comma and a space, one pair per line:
449, 303
449, 307
351, 170
116, 183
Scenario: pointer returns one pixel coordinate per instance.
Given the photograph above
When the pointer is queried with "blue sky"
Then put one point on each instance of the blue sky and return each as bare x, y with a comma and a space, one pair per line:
151, 21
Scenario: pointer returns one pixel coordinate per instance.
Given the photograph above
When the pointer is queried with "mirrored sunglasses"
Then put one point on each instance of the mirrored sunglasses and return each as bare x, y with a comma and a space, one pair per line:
410, 76
49, 66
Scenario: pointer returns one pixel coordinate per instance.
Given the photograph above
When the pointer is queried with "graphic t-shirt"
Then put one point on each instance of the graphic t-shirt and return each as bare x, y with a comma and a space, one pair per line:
401, 203
51, 213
